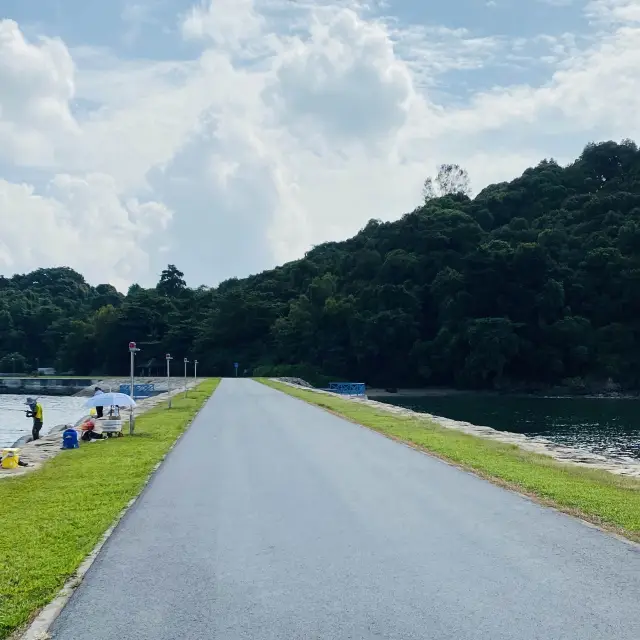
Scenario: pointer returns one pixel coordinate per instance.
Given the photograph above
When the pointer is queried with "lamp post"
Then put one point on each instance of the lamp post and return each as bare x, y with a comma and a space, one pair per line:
185, 377
133, 349
195, 370
169, 359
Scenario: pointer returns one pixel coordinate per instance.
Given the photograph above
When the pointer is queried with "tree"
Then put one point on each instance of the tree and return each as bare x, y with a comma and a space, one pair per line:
172, 283
452, 179
532, 282
13, 363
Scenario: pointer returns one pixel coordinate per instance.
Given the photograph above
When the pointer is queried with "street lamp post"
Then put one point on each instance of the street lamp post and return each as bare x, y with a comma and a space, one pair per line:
169, 359
185, 377
133, 349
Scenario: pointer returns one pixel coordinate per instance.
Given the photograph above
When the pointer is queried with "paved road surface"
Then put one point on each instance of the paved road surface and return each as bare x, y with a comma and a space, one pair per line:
272, 519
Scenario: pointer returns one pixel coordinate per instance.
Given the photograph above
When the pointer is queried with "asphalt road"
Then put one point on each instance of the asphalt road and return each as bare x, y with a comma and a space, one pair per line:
272, 519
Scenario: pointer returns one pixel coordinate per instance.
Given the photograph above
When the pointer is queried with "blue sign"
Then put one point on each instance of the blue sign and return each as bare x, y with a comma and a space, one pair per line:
348, 388
139, 390
235, 364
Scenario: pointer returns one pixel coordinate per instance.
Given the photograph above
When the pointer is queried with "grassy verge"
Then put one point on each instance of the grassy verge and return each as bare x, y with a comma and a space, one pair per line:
602, 498
51, 519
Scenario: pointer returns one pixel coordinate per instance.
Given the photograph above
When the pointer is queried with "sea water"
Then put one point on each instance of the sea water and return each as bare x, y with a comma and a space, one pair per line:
57, 410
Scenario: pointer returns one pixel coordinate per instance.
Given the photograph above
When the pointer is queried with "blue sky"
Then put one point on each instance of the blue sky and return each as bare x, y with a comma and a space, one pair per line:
229, 136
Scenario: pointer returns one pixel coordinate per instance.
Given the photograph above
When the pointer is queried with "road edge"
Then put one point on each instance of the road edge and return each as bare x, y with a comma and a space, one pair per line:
38, 628
604, 527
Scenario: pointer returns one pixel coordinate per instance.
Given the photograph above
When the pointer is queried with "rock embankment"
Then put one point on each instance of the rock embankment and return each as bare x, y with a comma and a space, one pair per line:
113, 384
619, 465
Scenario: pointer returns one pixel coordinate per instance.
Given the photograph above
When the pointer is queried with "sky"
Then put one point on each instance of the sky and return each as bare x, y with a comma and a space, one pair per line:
229, 136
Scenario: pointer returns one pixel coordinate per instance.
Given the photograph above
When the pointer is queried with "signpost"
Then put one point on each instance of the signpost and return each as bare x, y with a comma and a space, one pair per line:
133, 349
195, 370
235, 366
185, 377
169, 359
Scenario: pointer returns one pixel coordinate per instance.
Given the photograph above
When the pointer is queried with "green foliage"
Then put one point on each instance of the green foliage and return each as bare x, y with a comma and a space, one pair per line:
302, 371
13, 363
531, 283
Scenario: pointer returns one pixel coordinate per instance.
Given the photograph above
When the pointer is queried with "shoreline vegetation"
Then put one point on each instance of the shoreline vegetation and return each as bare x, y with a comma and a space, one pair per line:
604, 499
53, 518
529, 286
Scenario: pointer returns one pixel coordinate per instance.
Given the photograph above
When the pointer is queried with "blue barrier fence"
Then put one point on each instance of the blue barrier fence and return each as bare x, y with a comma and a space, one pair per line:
139, 390
348, 388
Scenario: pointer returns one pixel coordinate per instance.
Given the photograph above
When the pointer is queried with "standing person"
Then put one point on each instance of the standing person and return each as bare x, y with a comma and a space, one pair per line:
35, 412
98, 392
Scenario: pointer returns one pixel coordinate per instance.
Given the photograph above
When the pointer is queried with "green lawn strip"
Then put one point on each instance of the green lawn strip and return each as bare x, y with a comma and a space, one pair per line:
597, 496
51, 519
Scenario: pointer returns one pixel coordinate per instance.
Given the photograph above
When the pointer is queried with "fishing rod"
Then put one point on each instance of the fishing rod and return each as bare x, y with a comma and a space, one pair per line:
14, 409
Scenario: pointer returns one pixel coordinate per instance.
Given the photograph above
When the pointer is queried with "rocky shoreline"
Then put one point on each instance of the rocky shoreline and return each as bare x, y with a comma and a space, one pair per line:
618, 465
36, 453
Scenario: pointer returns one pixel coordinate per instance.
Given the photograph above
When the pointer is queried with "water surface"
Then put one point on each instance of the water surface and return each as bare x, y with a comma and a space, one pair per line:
56, 409
600, 425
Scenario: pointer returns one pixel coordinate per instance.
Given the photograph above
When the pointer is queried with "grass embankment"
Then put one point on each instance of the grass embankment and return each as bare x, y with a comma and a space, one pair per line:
51, 519
597, 496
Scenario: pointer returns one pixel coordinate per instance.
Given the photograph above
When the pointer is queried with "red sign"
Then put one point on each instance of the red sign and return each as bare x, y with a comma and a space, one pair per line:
132, 345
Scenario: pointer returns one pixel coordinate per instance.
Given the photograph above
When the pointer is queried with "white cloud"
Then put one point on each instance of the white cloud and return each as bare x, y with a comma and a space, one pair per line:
230, 23
79, 222
344, 78
37, 83
272, 140
136, 16
614, 11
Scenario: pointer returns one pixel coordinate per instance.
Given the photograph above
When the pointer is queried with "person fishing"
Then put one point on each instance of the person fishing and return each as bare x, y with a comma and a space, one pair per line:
35, 412
98, 392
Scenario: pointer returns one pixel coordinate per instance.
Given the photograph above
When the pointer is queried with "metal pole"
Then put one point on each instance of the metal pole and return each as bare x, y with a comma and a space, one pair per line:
185, 377
133, 355
195, 370
132, 351
169, 359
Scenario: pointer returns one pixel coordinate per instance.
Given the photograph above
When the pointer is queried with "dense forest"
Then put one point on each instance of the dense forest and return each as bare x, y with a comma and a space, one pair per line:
532, 283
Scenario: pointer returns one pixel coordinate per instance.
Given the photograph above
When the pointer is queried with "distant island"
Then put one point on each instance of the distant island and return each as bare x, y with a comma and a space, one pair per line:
532, 284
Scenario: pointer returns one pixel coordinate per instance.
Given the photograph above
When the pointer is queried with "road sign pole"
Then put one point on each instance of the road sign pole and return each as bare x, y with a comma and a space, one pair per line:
195, 370
185, 377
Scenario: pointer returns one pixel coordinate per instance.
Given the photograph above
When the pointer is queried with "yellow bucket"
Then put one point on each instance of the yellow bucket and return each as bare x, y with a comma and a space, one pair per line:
10, 458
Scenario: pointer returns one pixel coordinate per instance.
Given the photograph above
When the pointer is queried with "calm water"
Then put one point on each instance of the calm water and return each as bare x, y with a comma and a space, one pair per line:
57, 410
605, 426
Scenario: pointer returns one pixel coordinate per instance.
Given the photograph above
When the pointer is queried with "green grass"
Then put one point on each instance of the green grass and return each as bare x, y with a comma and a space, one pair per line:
51, 519
597, 496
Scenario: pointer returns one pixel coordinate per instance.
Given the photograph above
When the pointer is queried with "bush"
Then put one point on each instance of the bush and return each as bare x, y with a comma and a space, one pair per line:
302, 371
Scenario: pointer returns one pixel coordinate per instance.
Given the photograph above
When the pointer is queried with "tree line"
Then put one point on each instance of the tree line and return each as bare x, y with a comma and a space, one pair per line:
532, 283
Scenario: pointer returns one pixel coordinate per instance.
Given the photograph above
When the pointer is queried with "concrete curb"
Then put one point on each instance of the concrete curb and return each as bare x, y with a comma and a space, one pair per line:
39, 627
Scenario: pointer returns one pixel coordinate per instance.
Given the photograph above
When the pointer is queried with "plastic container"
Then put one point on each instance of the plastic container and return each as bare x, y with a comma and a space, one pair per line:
10, 458
70, 439
109, 425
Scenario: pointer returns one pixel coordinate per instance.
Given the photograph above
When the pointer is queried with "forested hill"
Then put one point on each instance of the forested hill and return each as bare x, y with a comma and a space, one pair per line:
533, 282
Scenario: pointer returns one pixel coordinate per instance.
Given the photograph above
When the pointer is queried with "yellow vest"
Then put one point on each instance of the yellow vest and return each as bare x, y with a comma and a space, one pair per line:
37, 414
